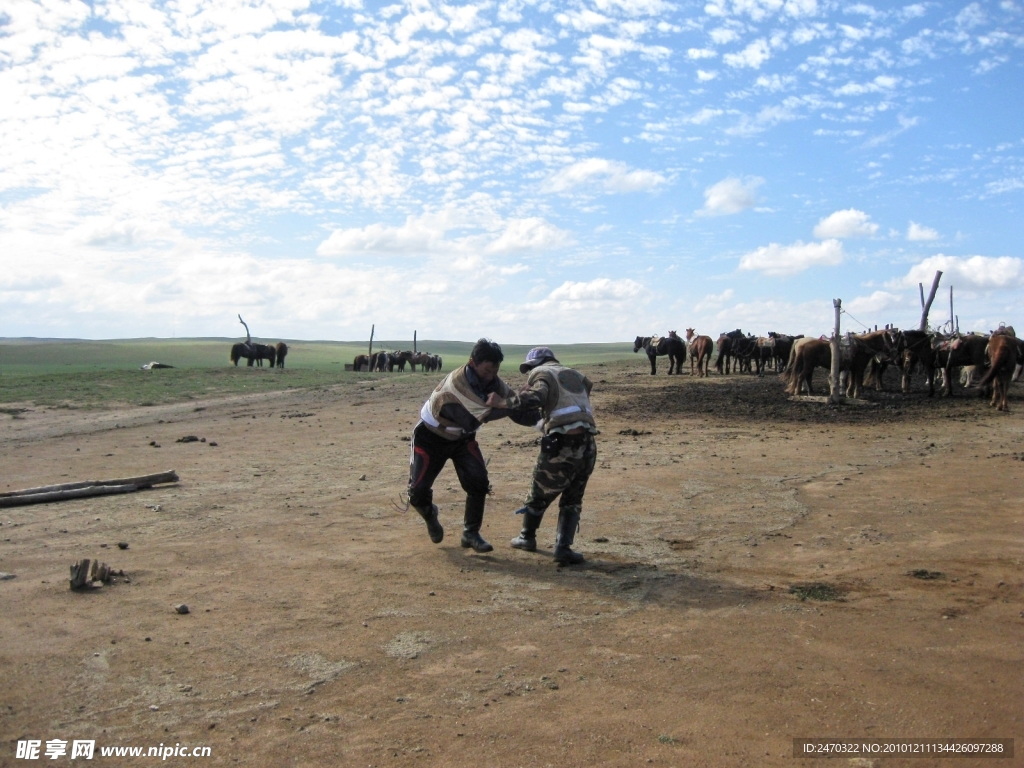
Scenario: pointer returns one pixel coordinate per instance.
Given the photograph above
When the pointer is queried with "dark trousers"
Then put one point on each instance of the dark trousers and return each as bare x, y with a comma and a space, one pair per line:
429, 455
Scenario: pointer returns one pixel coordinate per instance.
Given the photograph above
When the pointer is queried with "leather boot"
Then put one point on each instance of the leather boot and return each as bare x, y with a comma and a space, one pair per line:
429, 514
471, 537
527, 538
568, 521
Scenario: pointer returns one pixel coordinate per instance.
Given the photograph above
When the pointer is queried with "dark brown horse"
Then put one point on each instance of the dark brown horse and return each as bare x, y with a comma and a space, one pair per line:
700, 352
282, 349
1005, 353
253, 353
725, 350
670, 345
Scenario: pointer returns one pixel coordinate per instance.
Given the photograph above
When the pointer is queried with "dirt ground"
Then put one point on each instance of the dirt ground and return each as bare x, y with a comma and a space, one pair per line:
326, 629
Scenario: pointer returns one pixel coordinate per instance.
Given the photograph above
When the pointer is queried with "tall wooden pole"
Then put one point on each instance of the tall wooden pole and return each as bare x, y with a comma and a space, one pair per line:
952, 324
835, 392
370, 350
414, 342
931, 298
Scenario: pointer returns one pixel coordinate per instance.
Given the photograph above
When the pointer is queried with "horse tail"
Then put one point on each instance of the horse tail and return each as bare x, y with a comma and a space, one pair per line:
235, 354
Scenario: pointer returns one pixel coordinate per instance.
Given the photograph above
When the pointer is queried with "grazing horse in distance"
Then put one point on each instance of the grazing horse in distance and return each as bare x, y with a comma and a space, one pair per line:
253, 353
670, 345
359, 361
700, 352
281, 349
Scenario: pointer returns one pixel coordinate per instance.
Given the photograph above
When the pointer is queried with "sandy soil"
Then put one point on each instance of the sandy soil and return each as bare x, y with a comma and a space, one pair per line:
326, 629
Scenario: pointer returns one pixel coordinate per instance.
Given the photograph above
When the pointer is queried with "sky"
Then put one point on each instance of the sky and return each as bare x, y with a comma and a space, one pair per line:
528, 171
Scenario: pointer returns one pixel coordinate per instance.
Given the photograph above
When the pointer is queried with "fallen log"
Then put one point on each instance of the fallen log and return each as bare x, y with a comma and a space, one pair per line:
84, 489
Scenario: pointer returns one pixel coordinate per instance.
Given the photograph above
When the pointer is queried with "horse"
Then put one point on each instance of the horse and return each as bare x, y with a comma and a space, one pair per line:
399, 359
253, 353
379, 361
281, 349
725, 349
359, 361
670, 345
968, 349
806, 355
700, 352
419, 358
1004, 354
783, 345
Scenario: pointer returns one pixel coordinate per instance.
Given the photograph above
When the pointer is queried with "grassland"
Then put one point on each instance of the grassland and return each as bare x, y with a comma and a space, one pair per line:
90, 374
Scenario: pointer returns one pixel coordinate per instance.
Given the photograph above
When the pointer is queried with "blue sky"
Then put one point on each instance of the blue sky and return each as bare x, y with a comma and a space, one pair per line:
529, 171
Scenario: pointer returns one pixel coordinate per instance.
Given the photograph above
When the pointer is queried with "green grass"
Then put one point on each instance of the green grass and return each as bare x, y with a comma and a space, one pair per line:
89, 374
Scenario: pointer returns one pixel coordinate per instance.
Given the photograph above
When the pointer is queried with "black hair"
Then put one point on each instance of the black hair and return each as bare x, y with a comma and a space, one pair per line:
486, 351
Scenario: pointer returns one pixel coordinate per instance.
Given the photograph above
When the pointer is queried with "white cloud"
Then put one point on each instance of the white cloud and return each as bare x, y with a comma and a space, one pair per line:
879, 301
753, 56
713, 301
846, 223
779, 260
427, 234
701, 53
730, 195
608, 175
705, 76
920, 232
967, 272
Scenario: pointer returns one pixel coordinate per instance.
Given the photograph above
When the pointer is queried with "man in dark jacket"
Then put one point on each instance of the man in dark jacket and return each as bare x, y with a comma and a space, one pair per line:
447, 428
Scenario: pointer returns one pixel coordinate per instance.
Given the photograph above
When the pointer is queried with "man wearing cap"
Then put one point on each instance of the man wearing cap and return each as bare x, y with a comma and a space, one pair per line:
449, 420
567, 453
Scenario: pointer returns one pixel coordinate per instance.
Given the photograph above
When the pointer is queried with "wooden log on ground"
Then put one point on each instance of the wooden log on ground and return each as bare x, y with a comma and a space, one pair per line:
84, 489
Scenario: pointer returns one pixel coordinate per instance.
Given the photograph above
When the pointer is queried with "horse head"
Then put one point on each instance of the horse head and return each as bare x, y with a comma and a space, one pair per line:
638, 344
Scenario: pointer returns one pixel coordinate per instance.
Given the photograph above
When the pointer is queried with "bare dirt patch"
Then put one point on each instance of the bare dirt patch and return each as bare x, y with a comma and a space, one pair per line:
751, 577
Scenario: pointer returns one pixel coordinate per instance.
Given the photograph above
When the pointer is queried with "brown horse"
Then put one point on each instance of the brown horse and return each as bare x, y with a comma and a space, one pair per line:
700, 352
1004, 355
804, 357
282, 349
359, 361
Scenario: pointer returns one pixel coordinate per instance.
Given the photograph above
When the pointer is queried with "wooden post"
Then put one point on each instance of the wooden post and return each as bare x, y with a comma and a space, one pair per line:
835, 392
952, 324
369, 352
928, 304
414, 350
248, 338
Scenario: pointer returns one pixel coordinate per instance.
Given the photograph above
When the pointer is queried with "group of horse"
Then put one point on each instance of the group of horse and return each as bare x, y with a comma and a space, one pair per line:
736, 351
389, 361
255, 353
997, 357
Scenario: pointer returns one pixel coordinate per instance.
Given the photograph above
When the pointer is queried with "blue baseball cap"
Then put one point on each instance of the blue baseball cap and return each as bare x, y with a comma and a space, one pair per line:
535, 357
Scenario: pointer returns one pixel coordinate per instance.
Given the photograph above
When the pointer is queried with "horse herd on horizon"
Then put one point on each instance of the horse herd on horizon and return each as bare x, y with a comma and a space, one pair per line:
998, 357
389, 361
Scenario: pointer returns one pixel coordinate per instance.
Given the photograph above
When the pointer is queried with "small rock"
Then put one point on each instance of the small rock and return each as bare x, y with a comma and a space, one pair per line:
362, 477
212, 444
122, 545
7, 576
153, 707
188, 439
181, 608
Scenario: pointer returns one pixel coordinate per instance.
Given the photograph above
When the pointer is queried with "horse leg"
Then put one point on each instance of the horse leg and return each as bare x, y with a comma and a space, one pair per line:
654, 368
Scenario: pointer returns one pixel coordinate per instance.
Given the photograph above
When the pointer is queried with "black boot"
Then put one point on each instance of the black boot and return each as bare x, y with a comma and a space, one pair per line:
527, 538
429, 513
568, 520
471, 526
